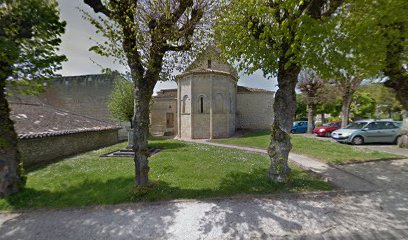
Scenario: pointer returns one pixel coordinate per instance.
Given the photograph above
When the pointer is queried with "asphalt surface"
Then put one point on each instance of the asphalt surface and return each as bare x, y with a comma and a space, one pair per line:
384, 147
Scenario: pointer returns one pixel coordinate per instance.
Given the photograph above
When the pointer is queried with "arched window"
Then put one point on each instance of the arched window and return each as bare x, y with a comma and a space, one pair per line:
231, 104
202, 104
219, 103
201, 108
185, 108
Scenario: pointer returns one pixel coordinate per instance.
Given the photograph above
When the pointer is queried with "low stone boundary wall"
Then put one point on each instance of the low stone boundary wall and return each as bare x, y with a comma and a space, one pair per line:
46, 149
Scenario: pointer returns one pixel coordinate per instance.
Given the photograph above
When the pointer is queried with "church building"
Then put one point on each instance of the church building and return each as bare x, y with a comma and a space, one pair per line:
208, 103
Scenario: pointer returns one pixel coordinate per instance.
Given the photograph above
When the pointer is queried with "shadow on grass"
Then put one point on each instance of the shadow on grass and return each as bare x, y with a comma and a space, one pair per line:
119, 190
167, 144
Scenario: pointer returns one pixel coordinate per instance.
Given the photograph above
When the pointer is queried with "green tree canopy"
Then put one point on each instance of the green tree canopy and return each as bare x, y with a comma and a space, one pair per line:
30, 32
121, 100
363, 105
152, 39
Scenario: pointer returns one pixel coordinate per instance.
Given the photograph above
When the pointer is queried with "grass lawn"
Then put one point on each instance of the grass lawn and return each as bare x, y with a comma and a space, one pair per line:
180, 170
325, 151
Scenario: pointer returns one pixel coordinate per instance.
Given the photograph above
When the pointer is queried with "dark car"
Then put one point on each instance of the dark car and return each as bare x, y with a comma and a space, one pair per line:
299, 127
327, 129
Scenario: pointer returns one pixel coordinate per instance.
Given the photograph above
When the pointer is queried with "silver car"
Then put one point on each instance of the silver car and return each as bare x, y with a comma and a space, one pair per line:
369, 131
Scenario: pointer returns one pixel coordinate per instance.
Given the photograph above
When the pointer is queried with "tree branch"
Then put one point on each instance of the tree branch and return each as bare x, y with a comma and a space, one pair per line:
98, 7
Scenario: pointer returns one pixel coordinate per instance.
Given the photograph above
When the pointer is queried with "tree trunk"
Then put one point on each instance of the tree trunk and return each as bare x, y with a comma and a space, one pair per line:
284, 109
323, 118
345, 108
310, 118
10, 179
403, 139
140, 135
397, 74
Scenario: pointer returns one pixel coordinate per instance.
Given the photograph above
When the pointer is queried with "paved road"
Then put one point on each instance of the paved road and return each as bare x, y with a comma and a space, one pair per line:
388, 148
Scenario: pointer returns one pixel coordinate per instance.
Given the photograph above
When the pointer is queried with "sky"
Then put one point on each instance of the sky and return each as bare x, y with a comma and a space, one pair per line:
77, 40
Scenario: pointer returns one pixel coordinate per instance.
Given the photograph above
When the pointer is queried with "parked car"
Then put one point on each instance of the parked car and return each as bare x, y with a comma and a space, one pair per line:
369, 131
327, 129
299, 127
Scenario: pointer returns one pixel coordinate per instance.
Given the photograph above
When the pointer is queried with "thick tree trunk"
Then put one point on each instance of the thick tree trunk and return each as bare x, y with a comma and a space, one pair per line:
345, 108
284, 113
140, 135
310, 118
397, 74
10, 179
403, 139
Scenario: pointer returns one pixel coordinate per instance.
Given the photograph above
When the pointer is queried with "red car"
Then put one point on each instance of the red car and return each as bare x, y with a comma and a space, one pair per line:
327, 129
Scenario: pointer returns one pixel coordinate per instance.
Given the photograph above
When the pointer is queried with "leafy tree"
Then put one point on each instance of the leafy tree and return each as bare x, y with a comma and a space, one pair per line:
29, 38
362, 105
394, 26
150, 38
121, 101
329, 101
301, 107
310, 84
387, 106
276, 36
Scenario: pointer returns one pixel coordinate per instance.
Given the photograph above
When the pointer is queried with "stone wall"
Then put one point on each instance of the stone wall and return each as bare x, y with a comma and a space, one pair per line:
86, 95
163, 116
207, 103
41, 150
255, 110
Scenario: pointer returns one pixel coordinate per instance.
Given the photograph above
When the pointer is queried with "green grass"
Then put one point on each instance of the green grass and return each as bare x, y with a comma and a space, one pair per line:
325, 151
180, 170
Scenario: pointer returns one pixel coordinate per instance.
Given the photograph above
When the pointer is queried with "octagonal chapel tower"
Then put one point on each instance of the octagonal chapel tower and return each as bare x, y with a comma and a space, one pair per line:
206, 99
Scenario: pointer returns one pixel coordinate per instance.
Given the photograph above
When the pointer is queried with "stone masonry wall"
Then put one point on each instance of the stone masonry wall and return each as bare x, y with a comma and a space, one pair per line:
255, 110
41, 150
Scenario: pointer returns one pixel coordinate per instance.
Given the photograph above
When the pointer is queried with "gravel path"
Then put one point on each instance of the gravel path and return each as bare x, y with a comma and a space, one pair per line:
368, 216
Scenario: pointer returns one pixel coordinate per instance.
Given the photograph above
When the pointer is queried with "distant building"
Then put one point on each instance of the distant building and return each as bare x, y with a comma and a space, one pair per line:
208, 103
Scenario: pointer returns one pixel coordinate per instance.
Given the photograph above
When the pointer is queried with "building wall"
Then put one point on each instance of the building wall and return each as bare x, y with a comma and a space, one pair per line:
211, 111
41, 150
185, 105
255, 110
163, 116
87, 95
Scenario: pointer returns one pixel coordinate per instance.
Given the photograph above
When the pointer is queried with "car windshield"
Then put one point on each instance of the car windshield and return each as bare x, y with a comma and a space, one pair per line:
327, 124
356, 125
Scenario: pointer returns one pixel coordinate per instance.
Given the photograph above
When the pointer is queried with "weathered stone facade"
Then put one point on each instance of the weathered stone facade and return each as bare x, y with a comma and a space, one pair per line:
254, 109
163, 115
209, 104
41, 150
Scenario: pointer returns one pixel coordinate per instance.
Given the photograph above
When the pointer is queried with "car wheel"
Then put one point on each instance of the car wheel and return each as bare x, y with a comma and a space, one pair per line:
292, 131
397, 140
358, 140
